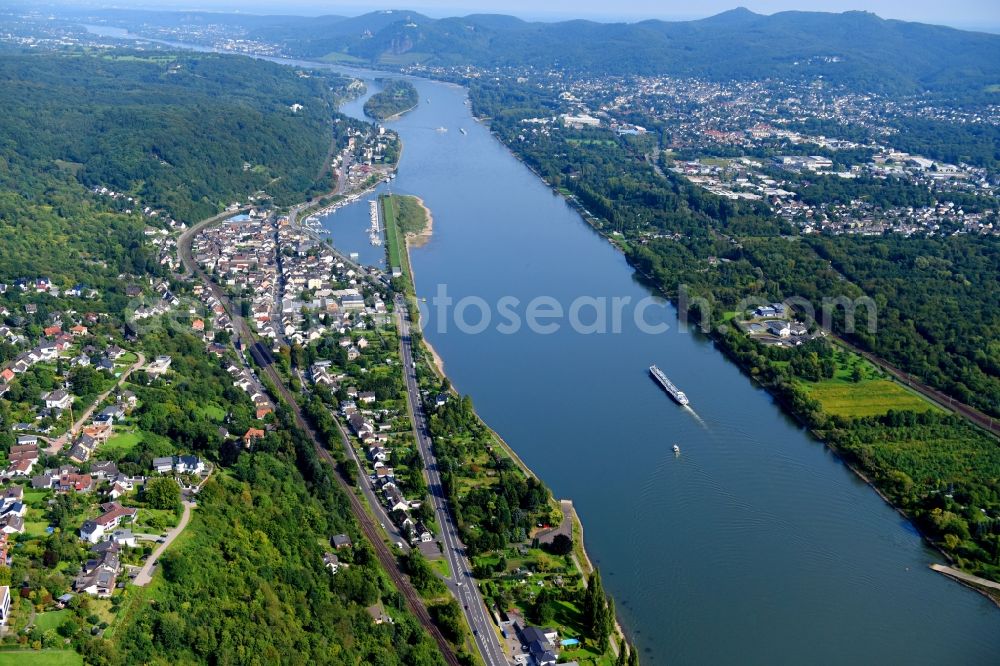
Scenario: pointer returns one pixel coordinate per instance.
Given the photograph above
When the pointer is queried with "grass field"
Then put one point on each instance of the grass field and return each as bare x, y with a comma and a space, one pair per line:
33, 497
40, 658
121, 443
212, 412
49, 620
340, 57
35, 528
871, 397
440, 566
393, 236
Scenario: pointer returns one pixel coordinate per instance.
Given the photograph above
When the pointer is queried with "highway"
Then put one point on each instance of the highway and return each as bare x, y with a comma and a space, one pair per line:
371, 530
462, 584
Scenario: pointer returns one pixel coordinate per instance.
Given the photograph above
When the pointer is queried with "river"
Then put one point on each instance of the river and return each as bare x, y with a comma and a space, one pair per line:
756, 545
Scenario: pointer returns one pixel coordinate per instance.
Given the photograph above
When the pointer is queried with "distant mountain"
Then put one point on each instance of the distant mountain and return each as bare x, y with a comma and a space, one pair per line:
853, 48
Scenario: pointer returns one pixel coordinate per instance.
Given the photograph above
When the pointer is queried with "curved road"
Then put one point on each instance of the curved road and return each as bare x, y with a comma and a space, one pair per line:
146, 572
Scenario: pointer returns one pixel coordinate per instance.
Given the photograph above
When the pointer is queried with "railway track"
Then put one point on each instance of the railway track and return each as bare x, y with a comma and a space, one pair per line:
385, 557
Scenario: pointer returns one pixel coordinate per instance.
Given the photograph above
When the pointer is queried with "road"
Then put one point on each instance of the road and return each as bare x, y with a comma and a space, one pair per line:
57, 444
371, 531
374, 502
462, 584
145, 574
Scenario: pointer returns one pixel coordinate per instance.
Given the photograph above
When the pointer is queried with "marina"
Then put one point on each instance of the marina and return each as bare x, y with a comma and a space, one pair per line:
375, 231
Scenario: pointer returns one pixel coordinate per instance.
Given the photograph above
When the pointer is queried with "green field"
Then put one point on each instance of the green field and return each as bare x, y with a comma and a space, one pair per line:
871, 397
121, 444
35, 528
440, 566
50, 620
40, 658
394, 240
340, 57
212, 412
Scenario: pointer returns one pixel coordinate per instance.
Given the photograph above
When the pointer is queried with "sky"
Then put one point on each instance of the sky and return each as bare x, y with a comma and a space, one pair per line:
969, 14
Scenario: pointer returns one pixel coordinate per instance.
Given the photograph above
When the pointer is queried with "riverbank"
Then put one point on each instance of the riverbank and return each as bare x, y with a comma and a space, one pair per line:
565, 508
792, 406
397, 115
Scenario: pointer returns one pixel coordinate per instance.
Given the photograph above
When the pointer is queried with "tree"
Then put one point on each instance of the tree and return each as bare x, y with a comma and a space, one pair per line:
622, 655
606, 624
162, 493
593, 603
561, 545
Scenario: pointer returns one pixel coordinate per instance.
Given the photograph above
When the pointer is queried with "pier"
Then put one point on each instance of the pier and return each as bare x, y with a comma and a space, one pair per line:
375, 232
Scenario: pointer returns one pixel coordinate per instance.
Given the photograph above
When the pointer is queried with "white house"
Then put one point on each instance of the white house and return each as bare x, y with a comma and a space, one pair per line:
163, 465
4, 604
58, 399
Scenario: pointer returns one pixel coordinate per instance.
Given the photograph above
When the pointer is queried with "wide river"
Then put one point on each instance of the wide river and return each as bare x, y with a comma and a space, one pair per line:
756, 545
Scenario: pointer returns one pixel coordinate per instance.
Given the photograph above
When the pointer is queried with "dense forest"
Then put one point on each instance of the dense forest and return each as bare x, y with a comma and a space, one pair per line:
938, 318
396, 97
256, 560
184, 133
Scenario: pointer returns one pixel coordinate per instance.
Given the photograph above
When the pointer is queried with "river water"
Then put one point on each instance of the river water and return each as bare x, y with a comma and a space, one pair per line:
755, 545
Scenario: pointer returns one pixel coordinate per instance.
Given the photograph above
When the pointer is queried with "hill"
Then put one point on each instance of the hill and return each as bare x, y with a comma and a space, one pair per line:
180, 132
850, 48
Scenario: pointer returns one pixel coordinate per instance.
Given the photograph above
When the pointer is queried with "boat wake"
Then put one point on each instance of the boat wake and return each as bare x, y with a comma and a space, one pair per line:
697, 418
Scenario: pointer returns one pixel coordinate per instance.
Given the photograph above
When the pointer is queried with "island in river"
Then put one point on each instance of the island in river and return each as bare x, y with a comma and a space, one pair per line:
396, 98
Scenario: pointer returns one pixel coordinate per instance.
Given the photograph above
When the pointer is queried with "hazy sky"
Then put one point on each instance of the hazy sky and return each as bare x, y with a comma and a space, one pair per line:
983, 14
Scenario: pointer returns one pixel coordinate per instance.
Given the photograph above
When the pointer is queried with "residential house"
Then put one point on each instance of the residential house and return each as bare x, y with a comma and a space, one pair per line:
332, 562
252, 435
99, 576
80, 483
58, 399
163, 465
422, 534
103, 469
4, 604
94, 530
541, 645
188, 465
11, 523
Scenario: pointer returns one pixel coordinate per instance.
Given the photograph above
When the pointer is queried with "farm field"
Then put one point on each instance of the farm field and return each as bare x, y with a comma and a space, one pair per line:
872, 397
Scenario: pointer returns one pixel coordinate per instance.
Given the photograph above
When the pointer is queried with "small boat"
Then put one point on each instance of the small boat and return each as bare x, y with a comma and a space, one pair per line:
462, 130
677, 449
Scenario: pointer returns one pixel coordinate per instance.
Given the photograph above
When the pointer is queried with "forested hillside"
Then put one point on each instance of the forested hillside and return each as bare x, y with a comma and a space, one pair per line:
184, 133
854, 48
